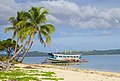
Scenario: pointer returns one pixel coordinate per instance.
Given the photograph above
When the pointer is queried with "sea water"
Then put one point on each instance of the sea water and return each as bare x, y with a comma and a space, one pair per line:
95, 62
101, 62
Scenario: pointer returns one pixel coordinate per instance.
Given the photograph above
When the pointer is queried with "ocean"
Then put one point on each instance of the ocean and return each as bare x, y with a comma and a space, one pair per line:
95, 62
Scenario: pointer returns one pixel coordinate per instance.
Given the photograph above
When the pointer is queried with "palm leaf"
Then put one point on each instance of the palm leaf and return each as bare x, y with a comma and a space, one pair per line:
47, 37
21, 24
40, 19
48, 28
8, 29
44, 12
41, 39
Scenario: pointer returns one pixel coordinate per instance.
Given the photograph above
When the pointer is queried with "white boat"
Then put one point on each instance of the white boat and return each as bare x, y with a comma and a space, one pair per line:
63, 58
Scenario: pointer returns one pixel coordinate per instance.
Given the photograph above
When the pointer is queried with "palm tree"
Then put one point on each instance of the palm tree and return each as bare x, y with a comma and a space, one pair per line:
21, 18
37, 23
31, 23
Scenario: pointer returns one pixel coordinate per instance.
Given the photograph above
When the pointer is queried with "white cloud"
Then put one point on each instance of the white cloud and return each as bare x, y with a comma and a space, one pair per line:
62, 7
67, 12
53, 19
88, 12
84, 17
90, 24
6, 10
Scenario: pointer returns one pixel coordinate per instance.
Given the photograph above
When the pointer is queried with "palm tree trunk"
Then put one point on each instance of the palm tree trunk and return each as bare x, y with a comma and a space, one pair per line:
16, 46
26, 51
8, 52
16, 54
30, 44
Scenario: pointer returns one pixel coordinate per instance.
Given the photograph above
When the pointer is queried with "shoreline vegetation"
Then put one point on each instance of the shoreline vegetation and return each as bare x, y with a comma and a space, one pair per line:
59, 73
93, 52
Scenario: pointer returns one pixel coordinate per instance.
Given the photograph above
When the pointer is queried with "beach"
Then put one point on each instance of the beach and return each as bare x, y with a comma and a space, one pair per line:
74, 74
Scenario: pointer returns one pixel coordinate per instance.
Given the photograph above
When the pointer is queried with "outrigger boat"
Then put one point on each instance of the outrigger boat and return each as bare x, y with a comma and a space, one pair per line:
63, 58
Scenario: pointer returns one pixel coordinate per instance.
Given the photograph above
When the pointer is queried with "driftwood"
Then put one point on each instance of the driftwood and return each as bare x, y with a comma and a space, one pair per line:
5, 65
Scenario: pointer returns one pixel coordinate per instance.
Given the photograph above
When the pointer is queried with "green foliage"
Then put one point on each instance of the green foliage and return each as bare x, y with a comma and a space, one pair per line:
56, 79
33, 71
7, 46
36, 54
27, 75
3, 58
37, 16
16, 67
50, 74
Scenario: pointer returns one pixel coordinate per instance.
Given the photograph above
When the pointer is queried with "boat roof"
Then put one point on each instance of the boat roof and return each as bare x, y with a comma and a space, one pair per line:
67, 54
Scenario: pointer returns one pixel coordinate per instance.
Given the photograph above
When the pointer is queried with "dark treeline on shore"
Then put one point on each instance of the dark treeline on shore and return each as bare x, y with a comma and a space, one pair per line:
93, 52
36, 54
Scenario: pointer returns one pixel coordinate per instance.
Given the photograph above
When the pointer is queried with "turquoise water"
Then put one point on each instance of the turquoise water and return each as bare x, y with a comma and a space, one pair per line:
96, 62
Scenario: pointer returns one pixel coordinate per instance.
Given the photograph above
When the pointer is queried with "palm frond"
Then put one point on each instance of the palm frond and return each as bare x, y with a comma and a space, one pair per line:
14, 34
27, 15
8, 29
44, 12
41, 39
21, 24
41, 19
48, 28
47, 36
12, 20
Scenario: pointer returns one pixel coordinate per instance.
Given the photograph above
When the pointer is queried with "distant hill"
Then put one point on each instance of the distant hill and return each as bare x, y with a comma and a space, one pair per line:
32, 54
93, 52
36, 54
96, 52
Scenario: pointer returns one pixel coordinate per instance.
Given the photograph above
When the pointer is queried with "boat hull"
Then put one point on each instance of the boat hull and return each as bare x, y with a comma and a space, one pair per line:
56, 61
62, 61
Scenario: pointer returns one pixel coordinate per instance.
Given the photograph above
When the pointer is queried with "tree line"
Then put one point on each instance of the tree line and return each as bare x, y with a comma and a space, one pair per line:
94, 52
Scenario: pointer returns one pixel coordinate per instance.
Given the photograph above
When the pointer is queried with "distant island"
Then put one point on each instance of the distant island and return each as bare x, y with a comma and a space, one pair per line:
95, 52
92, 52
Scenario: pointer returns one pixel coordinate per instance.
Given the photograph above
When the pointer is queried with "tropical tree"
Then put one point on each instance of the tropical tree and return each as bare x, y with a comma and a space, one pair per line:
34, 22
16, 29
37, 24
20, 18
1, 46
7, 46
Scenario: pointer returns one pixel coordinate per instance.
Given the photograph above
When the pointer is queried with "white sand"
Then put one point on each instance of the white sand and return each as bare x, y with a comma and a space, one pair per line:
71, 74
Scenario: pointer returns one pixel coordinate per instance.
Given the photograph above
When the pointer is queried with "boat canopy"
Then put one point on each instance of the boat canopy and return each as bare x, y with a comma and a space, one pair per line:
52, 55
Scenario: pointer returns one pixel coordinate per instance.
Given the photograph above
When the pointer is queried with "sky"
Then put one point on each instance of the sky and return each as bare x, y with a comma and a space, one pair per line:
79, 24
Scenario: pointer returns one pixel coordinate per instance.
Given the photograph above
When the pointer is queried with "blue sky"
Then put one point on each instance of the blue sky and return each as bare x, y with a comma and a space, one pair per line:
80, 24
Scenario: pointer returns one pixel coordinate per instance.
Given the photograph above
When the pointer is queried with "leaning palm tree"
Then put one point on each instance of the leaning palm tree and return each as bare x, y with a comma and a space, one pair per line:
20, 19
37, 24
16, 29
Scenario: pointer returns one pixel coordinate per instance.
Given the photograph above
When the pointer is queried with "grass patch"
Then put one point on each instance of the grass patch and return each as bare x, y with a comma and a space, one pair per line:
16, 67
27, 79
34, 71
56, 79
27, 75
49, 74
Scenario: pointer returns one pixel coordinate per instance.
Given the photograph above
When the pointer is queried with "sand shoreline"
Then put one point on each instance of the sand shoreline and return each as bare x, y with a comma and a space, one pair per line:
74, 74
